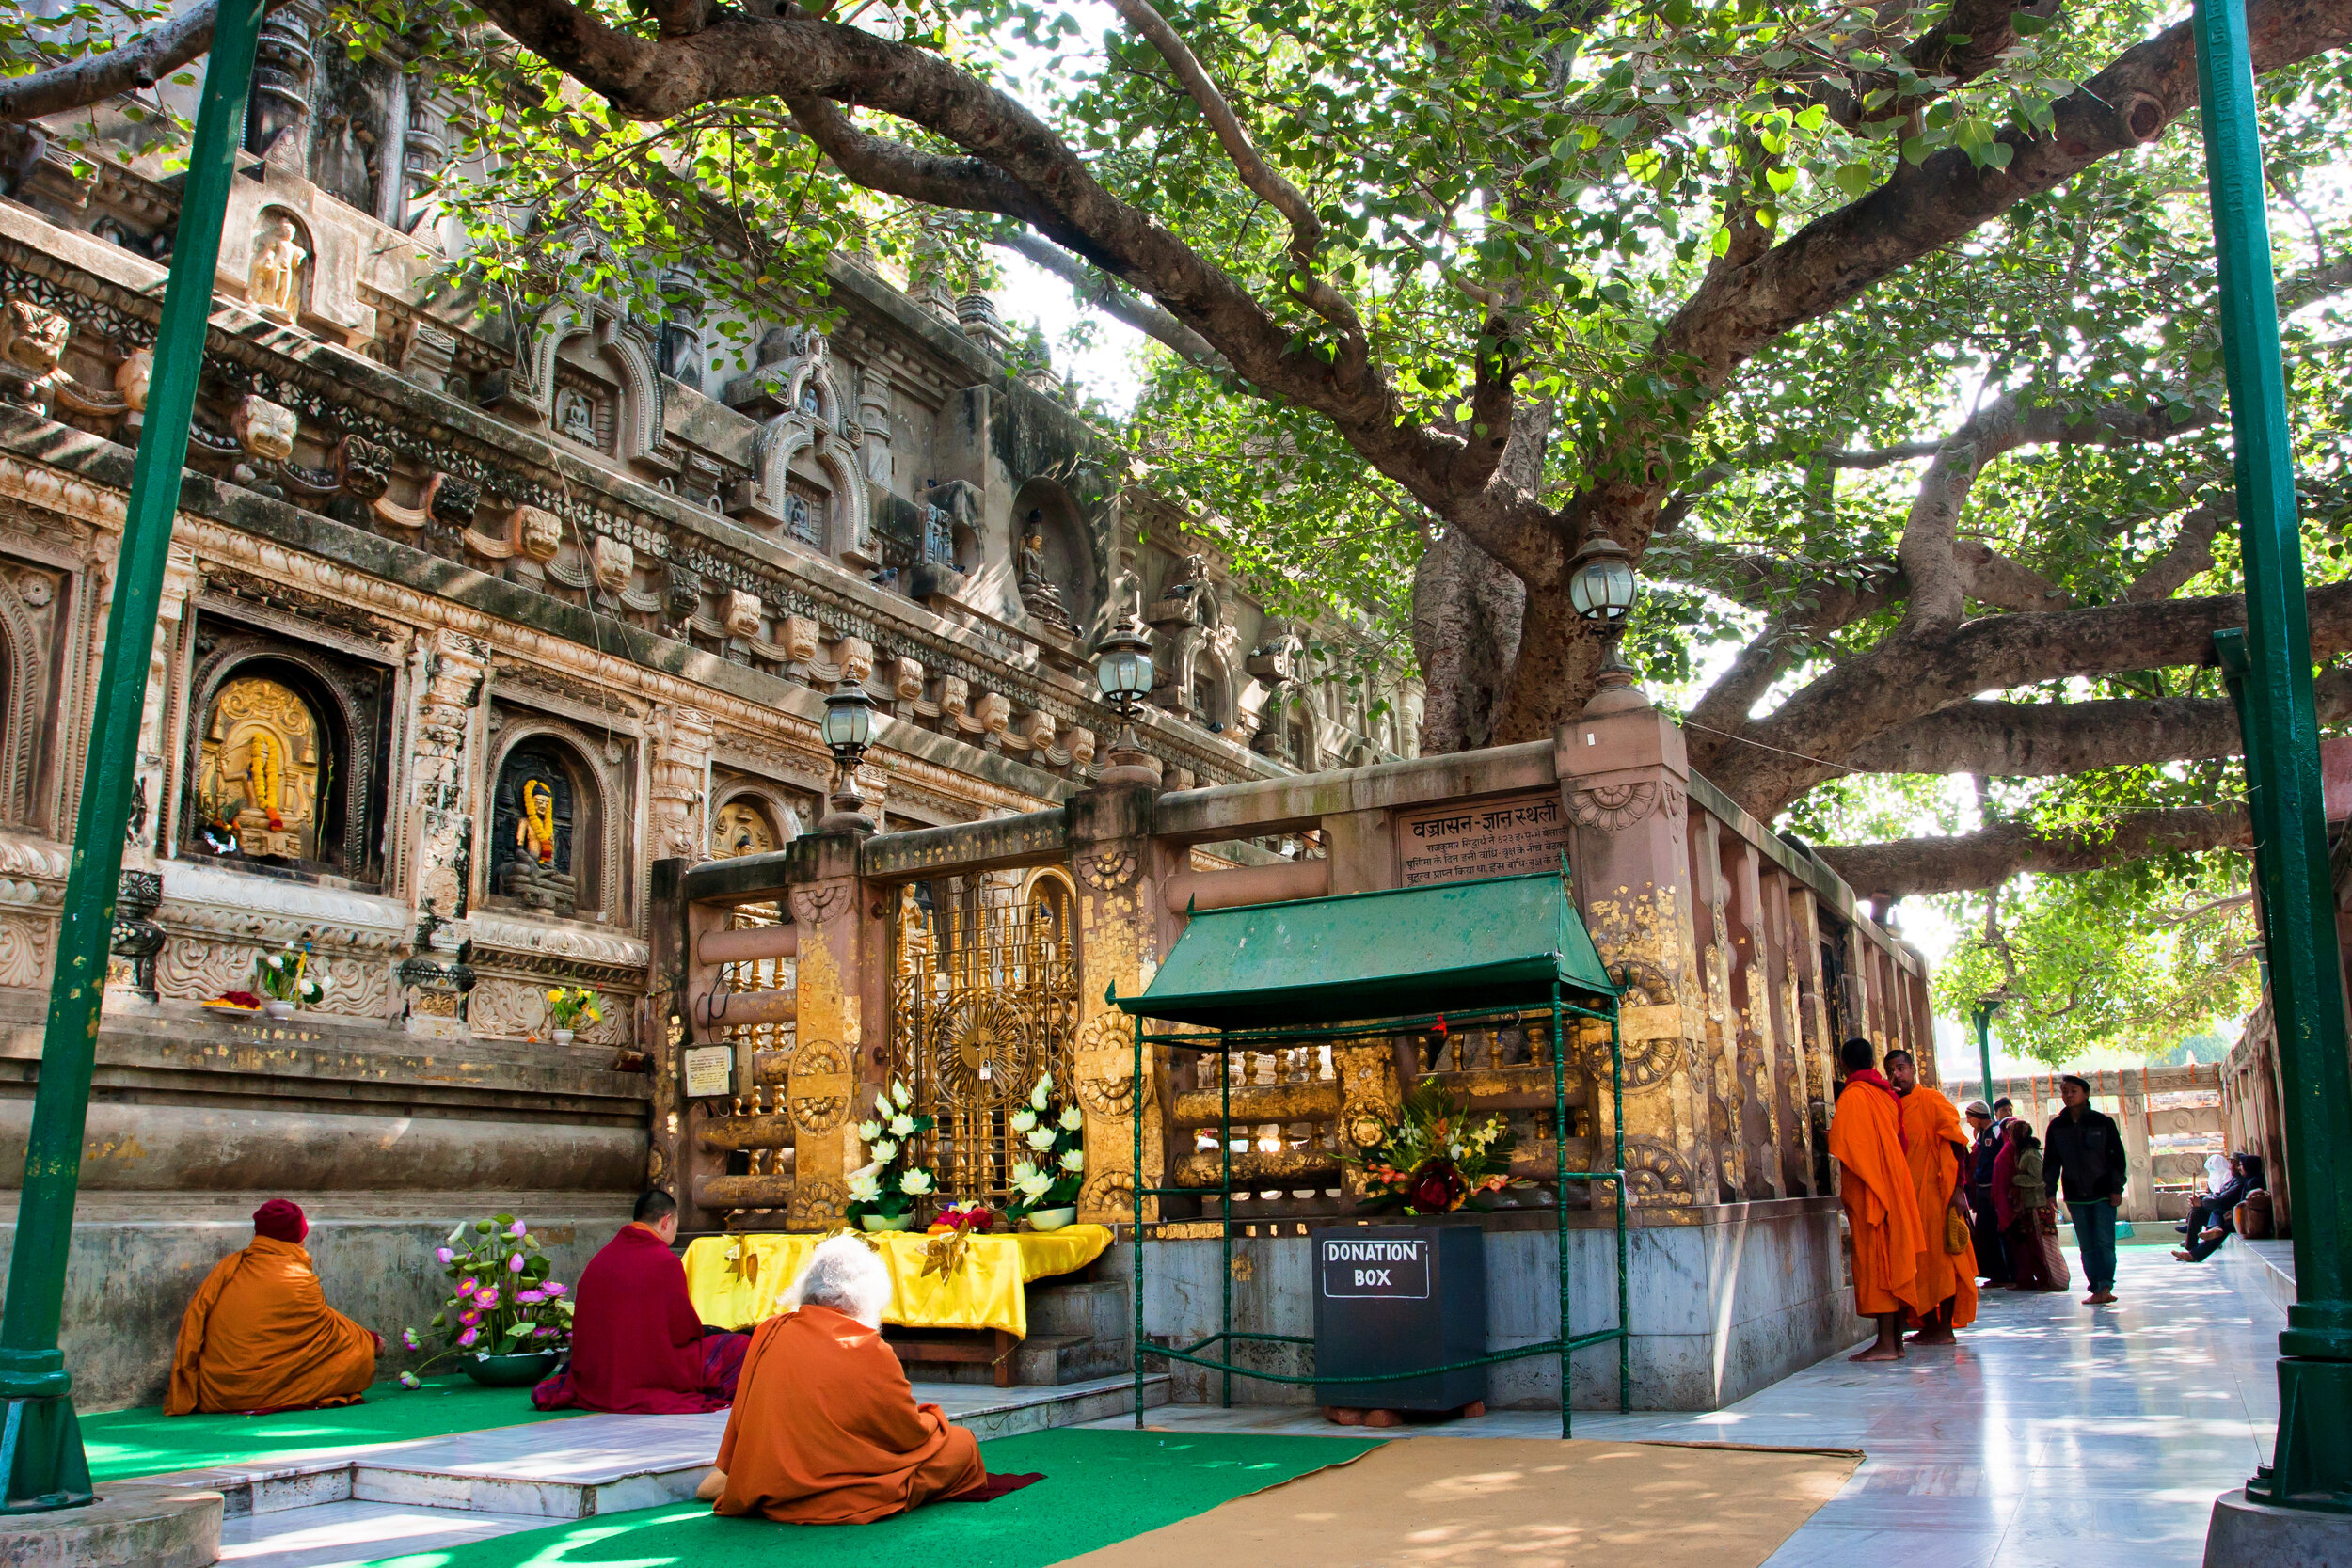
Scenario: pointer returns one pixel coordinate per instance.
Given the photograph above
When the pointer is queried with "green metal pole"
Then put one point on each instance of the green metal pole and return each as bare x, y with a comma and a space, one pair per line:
1225, 1184
40, 1445
1136, 1345
2313, 1465
1984, 1048
1560, 1194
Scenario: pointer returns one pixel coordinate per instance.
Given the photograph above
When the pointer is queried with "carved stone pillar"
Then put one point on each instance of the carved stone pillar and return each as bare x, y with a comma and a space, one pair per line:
830, 1036
682, 767
1111, 860
440, 834
278, 115
1624, 785
150, 811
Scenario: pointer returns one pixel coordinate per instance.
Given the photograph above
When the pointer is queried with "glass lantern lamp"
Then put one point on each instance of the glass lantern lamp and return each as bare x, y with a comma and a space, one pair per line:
1601, 591
1122, 673
849, 730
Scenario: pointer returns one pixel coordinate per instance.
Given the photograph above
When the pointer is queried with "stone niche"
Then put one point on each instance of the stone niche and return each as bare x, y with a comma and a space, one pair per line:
286, 756
535, 817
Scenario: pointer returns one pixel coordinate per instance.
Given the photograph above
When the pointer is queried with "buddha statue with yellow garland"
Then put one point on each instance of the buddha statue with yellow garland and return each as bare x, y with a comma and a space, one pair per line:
260, 763
535, 867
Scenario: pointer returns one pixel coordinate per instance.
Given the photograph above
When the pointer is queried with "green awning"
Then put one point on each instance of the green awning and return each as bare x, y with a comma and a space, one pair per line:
1455, 947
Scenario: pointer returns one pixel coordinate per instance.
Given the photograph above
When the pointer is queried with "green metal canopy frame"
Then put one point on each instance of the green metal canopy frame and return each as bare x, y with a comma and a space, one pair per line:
1492, 951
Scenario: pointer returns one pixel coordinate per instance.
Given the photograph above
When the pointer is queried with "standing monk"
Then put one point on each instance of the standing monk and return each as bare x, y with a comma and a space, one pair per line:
260, 1337
1939, 1151
1881, 1206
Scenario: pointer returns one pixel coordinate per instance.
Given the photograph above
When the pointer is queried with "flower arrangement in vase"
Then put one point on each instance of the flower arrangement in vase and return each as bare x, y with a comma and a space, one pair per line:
285, 978
504, 1317
1436, 1159
883, 1191
1047, 1181
568, 1007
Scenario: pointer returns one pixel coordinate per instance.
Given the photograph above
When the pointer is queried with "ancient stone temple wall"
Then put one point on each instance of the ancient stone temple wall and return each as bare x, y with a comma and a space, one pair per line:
1744, 959
471, 624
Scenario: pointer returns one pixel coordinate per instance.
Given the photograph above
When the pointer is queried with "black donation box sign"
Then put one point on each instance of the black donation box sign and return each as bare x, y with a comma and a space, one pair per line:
1393, 1298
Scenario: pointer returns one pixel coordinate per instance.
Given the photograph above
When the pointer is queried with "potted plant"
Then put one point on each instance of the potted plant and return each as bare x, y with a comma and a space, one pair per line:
1435, 1160
505, 1320
1046, 1184
884, 1192
286, 981
568, 1007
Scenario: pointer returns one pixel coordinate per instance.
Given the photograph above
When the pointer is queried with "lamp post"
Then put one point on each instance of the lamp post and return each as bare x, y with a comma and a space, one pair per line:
1122, 673
849, 730
1984, 1042
1601, 591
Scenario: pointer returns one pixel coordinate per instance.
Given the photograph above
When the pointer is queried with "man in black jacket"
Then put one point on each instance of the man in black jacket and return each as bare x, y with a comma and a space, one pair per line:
2083, 1152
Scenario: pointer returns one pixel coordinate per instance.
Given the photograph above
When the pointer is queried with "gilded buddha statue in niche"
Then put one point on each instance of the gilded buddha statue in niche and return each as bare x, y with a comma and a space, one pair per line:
740, 828
534, 831
258, 773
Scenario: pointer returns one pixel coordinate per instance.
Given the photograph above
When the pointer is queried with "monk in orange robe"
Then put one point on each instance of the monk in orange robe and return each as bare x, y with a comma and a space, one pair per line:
1938, 1148
260, 1337
825, 1429
1882, 1201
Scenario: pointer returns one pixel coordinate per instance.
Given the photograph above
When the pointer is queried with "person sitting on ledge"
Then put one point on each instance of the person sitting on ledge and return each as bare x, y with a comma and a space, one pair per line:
260, 1337
827, 1431
639, 1348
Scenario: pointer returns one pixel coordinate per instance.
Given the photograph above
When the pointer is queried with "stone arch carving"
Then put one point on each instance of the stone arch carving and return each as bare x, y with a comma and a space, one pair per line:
348, 805
628, 346
850, 529
282, 264
781, 821
594, 828
1073, 559
1212, 694
21, 688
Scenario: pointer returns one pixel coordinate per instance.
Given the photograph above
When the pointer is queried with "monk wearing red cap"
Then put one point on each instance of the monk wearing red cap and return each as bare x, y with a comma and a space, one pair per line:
260, 1337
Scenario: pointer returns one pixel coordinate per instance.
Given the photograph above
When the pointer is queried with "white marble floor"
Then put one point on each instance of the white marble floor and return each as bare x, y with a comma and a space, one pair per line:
2057, 1436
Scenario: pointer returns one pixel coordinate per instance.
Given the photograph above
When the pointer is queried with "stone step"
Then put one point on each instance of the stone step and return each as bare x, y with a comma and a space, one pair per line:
588, 1464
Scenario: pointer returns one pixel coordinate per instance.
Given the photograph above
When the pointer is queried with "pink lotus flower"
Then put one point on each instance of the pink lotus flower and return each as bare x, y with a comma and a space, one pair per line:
408, 1337
467, 1287
487, 1298
445, 1254
515, 1228
529, 1298
514, 1264
410, 1380
470, 1317
545, 1329
553, 1289
469, 1337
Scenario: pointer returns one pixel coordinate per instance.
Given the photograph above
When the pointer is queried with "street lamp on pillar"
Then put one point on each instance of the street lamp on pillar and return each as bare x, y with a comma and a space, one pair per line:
1123, 673
849, 730
1602, 590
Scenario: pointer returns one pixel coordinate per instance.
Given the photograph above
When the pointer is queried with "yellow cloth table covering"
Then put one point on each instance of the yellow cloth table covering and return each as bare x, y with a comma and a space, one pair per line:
985, 1292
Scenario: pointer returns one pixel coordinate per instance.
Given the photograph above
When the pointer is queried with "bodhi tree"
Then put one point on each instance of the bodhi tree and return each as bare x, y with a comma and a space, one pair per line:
1878, 336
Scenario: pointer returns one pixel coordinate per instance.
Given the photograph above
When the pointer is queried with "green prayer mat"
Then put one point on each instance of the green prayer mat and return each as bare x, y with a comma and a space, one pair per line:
1100, 1487
126, 1443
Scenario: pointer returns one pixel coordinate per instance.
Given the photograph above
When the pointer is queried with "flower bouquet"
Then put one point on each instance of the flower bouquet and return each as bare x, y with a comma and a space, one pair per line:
1435, 1160
1046, 1184
951, 1235
568, 1007
884, 1191
504, 1317
287, 980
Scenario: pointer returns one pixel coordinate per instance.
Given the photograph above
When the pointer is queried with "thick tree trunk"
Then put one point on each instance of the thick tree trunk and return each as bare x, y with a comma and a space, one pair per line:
1467, 609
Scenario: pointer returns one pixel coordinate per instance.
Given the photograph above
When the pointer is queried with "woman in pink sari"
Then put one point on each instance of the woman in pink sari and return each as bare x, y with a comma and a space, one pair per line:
2022, 1196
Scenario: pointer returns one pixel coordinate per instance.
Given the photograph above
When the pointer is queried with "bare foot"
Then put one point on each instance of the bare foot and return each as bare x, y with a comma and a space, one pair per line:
712, 1485
1472, 1411
2103, 1298
1384, 1417
2214, 1235
1340, 1415
1933, 1337
2183, 1255
1879, 1353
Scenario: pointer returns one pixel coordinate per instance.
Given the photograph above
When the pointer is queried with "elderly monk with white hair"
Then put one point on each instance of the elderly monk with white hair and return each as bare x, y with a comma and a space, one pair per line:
825, 1429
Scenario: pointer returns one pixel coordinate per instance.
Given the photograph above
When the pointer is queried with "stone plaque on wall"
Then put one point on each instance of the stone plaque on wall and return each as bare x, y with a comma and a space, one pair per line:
710, 1071
1506, 836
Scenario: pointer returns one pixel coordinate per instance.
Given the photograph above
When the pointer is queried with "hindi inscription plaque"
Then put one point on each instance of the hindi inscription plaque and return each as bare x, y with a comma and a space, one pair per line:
1509, 835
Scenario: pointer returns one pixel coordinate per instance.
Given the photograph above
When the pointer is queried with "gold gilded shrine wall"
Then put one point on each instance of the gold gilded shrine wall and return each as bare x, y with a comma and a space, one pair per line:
1744, 961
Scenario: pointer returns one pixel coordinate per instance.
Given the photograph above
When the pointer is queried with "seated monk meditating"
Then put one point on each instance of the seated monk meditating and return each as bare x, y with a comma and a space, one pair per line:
639, 1348
825, 1429
260, 1337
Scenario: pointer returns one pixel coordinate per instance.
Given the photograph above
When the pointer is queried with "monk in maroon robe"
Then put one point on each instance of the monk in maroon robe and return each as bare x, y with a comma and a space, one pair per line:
639, 1348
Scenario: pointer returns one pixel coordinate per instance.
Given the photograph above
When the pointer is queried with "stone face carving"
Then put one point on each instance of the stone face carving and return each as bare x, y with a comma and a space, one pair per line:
856, 657
742, 614
367, 469
454, 500
955, 695
1079, 742
906, 679
681, 591
1037, 728
538, 532
274, 285
32, 338
613, 561
994, 712
798, 636
264, 429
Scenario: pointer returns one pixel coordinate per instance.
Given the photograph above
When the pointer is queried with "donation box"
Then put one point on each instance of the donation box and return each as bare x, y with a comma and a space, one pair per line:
1397, 1297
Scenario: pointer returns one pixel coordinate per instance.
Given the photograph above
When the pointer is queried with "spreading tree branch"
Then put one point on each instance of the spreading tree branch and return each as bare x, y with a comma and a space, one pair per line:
1991, 855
